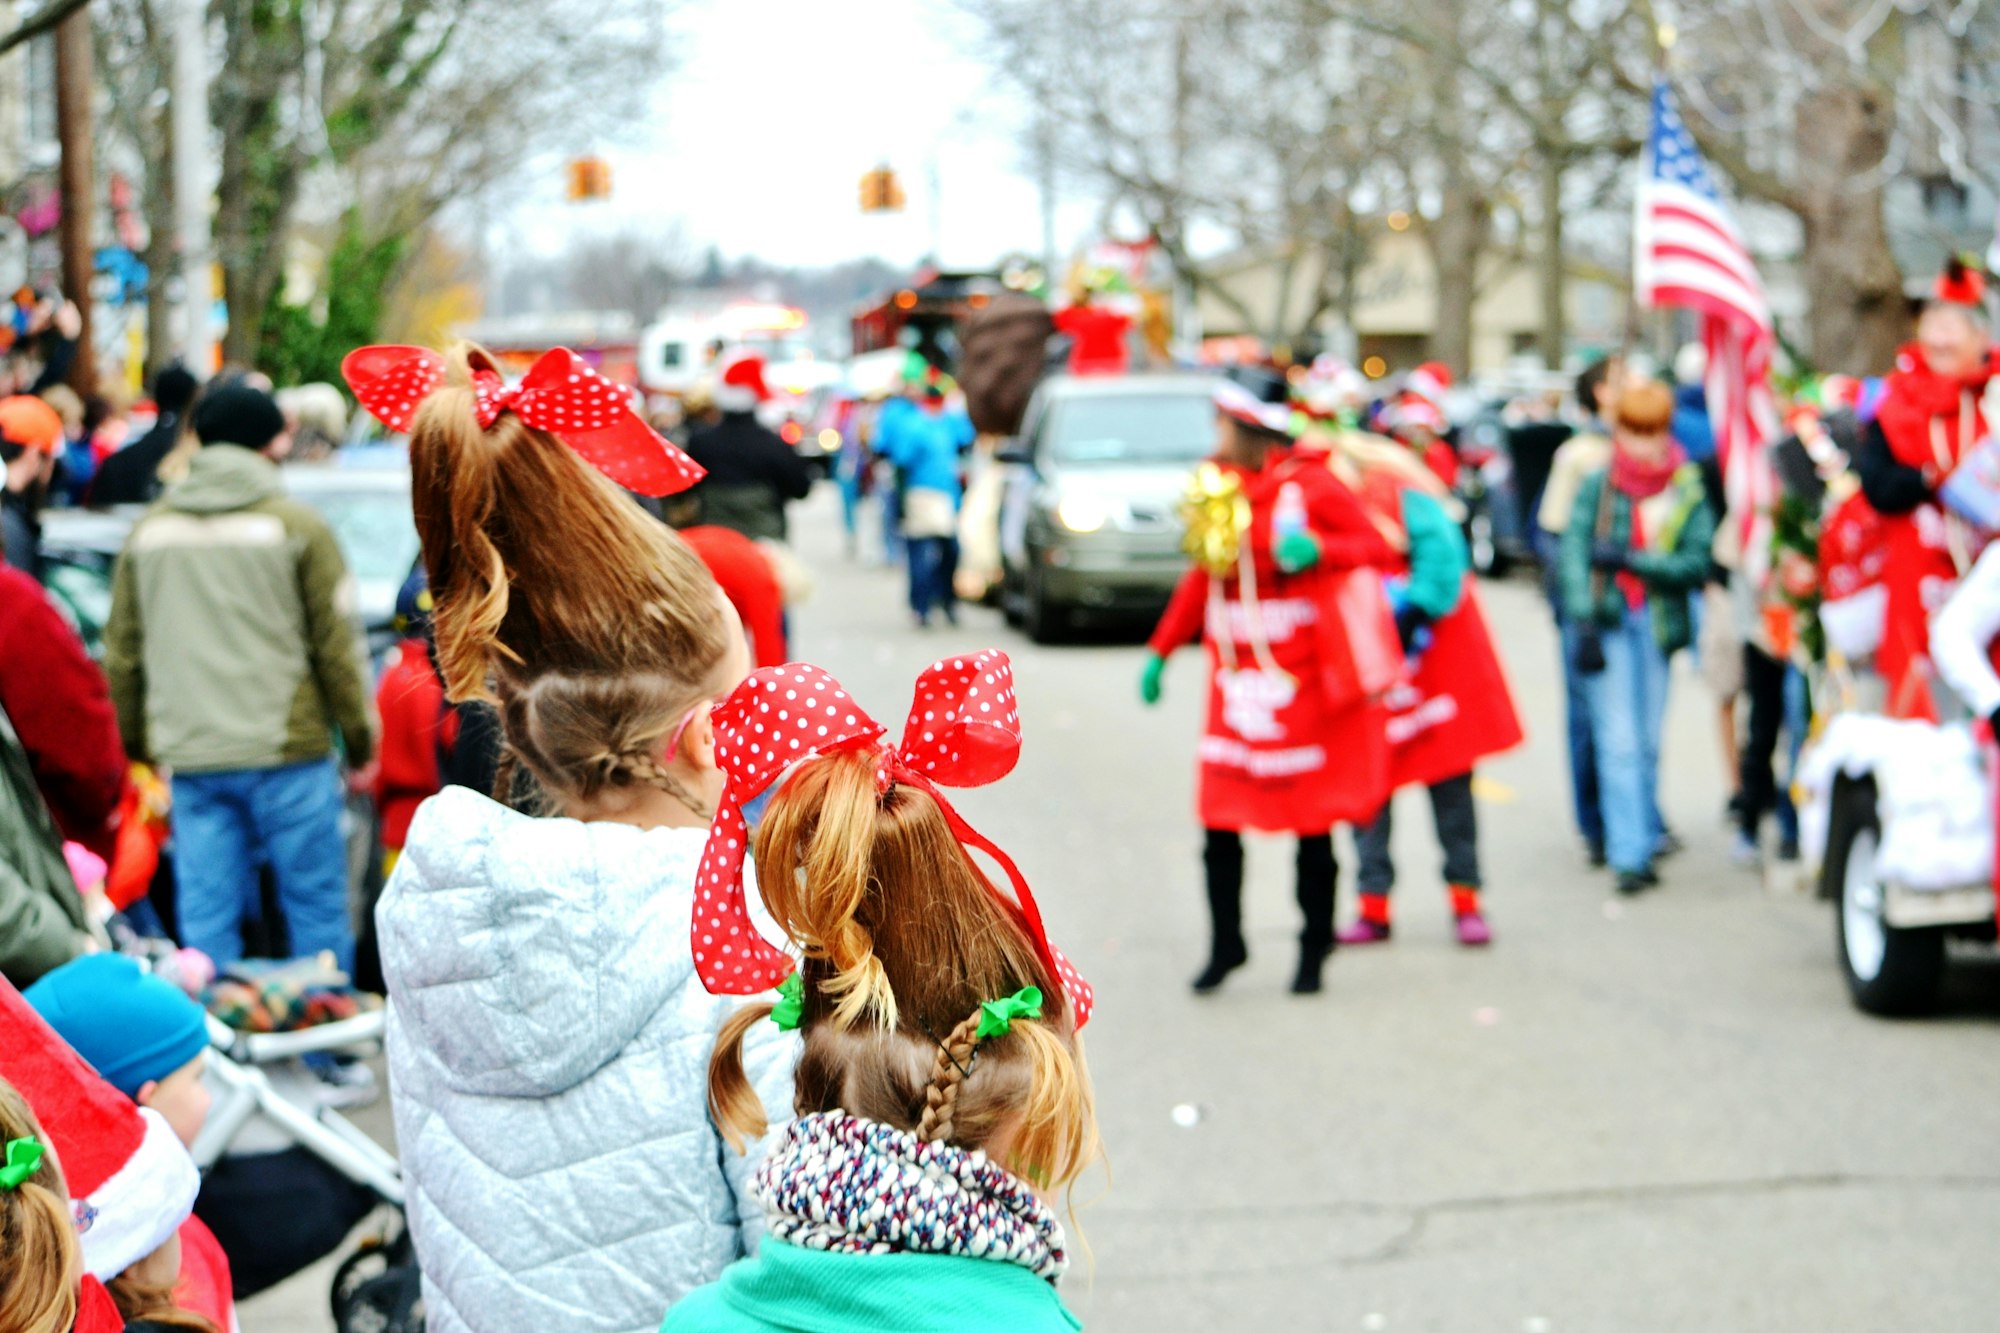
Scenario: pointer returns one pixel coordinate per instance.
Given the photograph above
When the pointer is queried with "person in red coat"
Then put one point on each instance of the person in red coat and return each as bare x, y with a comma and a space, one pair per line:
60, 706
751, 585
1301, 648
419, 728
1930, 418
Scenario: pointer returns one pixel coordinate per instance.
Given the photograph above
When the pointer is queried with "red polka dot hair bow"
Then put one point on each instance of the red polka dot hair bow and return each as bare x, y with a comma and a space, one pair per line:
559, 394
964, 731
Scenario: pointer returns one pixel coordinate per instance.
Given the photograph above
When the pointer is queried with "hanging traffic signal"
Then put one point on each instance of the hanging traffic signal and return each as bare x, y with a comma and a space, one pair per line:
881, 192
589, 178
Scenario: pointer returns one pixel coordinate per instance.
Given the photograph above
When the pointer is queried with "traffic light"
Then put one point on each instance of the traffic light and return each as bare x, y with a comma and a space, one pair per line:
589, 178
881, 192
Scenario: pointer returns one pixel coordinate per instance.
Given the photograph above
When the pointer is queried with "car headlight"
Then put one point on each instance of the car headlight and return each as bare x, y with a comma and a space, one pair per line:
1082, 513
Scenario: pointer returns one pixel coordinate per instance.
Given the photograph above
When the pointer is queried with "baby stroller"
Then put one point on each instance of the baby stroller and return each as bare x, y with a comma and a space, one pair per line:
269, 1146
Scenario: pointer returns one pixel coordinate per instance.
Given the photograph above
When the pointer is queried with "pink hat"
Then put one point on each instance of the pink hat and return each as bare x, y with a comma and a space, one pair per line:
131, 1182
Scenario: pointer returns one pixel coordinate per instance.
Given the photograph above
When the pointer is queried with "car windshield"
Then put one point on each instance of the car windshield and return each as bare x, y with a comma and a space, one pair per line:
375, 529
1131, 428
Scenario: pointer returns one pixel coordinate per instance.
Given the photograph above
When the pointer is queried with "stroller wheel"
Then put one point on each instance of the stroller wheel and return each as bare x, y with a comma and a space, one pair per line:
378, 1288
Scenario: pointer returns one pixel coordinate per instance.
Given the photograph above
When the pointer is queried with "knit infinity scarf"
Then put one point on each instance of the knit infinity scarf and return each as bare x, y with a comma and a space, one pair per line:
856, 1186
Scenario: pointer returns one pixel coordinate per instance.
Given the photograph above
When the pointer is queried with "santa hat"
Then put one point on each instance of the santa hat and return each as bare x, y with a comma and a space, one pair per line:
1413, 412
1256, 398
740, 386
131, 1182
1960, 284
1430, 381
1329, 389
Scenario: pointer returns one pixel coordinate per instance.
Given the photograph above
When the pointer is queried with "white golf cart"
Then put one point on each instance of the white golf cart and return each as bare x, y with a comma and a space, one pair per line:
1902, 813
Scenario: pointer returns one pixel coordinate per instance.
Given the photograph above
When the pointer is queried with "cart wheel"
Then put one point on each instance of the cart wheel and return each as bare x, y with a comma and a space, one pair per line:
1889, 971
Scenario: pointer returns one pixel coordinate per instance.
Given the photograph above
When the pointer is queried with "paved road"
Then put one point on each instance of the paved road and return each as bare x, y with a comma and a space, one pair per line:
1660, 1115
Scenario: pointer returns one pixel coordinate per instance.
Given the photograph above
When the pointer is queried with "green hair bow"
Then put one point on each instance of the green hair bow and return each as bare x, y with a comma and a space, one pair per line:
791, 1005
996, 1017
24, 1158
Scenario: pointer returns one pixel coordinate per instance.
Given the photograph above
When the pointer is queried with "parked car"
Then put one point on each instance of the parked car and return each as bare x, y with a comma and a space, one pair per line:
1090, 518
1494, 532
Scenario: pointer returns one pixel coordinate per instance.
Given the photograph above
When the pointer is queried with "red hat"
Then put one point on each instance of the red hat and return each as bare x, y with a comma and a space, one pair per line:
740, 386
1413, 410
131, 1182
1959, 284
28, 421
1430, 380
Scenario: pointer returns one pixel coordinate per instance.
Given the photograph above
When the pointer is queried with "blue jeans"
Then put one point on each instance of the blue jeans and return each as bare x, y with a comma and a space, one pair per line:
228, 824
933, 561
1583, 784
1628, 706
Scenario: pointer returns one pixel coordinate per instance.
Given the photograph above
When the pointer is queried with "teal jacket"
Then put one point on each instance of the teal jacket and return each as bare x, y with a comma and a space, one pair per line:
1438, 558
1671, 569
789, 1289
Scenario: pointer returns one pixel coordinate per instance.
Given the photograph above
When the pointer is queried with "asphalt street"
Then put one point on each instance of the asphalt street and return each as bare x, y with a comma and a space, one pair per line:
1654, 1115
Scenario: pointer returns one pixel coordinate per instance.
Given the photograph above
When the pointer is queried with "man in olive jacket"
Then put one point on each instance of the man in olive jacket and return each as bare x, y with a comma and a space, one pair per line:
233, 658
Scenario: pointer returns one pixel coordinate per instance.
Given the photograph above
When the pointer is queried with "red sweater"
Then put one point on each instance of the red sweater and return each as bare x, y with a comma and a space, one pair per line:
751, 586
60, 706
415, 726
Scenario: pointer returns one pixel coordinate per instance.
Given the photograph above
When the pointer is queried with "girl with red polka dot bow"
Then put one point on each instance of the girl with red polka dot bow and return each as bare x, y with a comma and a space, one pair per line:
942, 1093
547, 1030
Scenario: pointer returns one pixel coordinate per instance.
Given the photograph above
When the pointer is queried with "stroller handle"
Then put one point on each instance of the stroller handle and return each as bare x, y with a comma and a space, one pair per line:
263, 1048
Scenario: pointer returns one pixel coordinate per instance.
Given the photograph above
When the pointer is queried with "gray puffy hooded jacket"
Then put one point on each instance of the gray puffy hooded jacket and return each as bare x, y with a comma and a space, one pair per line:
548, 1057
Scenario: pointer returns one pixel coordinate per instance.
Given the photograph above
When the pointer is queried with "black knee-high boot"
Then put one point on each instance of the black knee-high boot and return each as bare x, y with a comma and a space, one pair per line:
1317, 874
1222, 858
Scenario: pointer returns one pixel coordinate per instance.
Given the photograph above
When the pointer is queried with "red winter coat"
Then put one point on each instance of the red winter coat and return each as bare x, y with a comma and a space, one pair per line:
1452, 706
1306, 749
60, 706
1097, 335
751, 585
417, 727
1929, 422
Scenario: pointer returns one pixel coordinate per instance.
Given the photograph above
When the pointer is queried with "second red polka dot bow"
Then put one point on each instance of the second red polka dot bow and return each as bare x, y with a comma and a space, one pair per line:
560, 394
964, 730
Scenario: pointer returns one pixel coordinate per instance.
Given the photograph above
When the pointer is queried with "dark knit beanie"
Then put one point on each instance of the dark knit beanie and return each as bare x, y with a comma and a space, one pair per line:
239, 415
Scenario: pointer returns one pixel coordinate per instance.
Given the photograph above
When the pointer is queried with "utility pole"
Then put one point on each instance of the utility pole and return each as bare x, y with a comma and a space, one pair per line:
76, 179
191, 188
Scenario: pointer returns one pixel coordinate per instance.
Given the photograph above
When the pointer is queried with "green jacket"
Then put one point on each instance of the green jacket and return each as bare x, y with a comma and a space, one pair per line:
42, 924
789, 1289
232, 642
1671, 568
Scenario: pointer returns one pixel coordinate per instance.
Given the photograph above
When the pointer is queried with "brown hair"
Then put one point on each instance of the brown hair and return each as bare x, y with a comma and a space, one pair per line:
43, 1262
154, 1303
1644, 408
904, 940
590, 625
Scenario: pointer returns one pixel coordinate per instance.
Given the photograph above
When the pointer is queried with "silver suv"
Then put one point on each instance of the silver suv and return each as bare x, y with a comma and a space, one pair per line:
1090, 523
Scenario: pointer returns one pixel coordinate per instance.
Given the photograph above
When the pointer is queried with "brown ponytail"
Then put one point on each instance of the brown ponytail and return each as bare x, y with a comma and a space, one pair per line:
40, 1260
903, 941
589, 624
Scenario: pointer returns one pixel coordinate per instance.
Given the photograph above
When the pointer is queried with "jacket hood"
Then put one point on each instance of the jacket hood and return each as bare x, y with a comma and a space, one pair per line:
532, 951
225, 477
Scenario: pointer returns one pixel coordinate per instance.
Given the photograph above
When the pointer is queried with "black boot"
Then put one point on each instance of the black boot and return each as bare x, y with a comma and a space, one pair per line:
1222, 858
1316, 877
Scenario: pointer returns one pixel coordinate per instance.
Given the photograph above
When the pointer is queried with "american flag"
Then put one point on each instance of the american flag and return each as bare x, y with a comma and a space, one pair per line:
1690, 252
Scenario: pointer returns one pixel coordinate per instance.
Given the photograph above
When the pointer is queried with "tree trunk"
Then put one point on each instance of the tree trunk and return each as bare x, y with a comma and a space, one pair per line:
1858, 314
1549, 265
1457, 239
157, 202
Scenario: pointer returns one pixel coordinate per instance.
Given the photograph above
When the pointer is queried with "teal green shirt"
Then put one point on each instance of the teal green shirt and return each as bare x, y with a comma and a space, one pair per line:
788, 1289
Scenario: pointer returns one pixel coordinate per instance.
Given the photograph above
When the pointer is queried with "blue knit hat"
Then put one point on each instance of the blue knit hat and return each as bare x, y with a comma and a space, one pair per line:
131, 1026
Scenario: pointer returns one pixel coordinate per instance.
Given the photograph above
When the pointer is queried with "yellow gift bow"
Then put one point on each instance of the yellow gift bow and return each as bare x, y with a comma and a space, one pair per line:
1217, 517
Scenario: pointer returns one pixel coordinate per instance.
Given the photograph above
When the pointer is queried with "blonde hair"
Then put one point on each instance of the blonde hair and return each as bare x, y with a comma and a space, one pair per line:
591, 626
42, 1260
154, 1303
904, 940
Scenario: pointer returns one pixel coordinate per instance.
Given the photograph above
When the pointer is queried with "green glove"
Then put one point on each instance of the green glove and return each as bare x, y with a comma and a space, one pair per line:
1297, 551
1149, 678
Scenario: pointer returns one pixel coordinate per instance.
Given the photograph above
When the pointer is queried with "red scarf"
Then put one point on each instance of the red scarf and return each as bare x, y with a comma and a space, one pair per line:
1917, 396
1641, 480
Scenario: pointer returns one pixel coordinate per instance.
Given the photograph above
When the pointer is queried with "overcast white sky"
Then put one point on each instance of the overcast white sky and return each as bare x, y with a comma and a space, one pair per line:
760, 135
